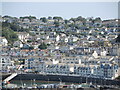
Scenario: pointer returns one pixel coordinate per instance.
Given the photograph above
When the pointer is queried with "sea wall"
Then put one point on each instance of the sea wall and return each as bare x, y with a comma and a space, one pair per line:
4, 76
65, 78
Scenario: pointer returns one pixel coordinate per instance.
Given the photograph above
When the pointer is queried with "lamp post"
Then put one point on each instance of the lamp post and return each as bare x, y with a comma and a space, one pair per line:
48, 80
86, 80
101, 81
34, 81
60, 80
81, 80
31, 82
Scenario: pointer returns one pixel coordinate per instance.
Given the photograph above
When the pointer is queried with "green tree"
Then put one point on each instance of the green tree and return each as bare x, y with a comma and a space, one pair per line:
42, 46
50, 18
118, 78
79, 18
57, 24
43, 19
28, 17
98, 19
9, 34
118, 38
71, 25
57, 18
73, 19
31, 48
6, 16
14, 27
66, 21
5, 24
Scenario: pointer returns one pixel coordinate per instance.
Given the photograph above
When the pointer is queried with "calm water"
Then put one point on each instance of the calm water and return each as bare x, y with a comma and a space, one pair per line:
29, 83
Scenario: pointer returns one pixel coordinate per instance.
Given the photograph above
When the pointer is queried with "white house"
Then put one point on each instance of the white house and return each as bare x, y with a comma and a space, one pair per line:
72, 60
3, 41
18, 44
103, 70
73, 39
23, 36
57, 38
106, 70
5, 63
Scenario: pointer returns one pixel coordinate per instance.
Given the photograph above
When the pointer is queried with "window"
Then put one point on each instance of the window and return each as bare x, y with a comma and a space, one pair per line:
3, 61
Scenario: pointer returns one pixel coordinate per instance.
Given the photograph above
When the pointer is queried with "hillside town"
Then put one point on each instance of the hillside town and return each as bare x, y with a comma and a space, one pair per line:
52, 45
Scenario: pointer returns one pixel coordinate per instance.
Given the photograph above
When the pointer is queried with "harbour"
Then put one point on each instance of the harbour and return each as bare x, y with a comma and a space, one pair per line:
60, 81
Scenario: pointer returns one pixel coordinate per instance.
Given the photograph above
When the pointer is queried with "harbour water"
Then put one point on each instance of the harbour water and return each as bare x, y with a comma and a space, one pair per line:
31, 83
55, 81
